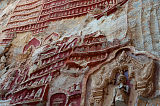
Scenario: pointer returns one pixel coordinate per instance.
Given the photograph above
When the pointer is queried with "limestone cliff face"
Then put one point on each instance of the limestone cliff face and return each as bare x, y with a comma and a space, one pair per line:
65, 52
143, 22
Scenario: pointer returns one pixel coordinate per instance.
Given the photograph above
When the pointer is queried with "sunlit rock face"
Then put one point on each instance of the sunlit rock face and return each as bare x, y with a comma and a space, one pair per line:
80, 52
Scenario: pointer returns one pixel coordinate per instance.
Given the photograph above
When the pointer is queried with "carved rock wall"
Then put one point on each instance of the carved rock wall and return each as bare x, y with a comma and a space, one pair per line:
80, 52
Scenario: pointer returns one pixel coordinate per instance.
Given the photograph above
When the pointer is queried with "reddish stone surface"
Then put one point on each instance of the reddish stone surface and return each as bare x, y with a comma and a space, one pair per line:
34, 42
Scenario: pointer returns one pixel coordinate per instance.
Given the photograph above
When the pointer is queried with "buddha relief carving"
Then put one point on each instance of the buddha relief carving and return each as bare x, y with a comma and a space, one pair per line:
120, 94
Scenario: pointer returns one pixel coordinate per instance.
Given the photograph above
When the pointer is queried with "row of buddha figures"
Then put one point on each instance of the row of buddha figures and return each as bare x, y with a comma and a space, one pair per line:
42, 11
35, 16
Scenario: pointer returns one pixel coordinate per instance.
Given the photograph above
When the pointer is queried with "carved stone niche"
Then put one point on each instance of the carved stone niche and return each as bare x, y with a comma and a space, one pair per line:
74, 100
120, 80
58, 99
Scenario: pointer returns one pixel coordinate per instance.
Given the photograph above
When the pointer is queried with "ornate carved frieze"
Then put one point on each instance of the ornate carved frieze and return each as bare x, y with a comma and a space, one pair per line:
111, 71
26, 96
35, 15
27, 89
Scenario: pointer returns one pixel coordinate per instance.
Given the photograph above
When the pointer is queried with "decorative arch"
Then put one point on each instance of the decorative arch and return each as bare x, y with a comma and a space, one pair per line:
140, 67
58, 98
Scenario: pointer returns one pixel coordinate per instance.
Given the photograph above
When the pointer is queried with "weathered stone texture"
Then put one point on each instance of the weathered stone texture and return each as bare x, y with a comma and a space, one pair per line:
80, 60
